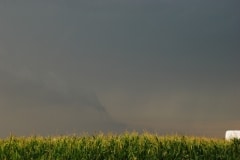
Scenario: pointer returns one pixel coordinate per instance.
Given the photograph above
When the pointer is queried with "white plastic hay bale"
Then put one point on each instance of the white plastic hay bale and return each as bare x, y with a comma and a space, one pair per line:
231, 134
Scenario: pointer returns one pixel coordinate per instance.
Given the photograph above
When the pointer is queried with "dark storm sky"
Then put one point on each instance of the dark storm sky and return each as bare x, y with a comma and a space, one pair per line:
166, 66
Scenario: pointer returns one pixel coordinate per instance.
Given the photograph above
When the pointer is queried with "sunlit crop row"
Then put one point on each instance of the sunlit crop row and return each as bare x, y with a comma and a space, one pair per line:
121, 147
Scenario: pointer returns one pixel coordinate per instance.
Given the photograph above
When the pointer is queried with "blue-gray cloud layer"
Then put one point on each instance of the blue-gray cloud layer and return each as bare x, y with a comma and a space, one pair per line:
168, 66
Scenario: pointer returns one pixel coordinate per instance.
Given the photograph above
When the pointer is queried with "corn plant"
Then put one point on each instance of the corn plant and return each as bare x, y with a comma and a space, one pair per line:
126, 146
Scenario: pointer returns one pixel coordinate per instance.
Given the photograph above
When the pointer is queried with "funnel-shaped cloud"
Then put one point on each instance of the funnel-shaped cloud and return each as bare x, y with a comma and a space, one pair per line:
34, 107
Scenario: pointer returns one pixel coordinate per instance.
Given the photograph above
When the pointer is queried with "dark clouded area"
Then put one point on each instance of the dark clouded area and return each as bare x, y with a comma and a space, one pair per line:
73, 66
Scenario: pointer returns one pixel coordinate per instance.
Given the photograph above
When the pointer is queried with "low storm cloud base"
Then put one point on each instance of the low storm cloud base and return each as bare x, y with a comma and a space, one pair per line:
165, 66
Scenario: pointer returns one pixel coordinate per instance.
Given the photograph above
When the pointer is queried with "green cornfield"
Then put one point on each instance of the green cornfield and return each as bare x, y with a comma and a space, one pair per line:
126, 146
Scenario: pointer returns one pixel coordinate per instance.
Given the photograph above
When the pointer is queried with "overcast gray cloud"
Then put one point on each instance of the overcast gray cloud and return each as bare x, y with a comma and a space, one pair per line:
167, 66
